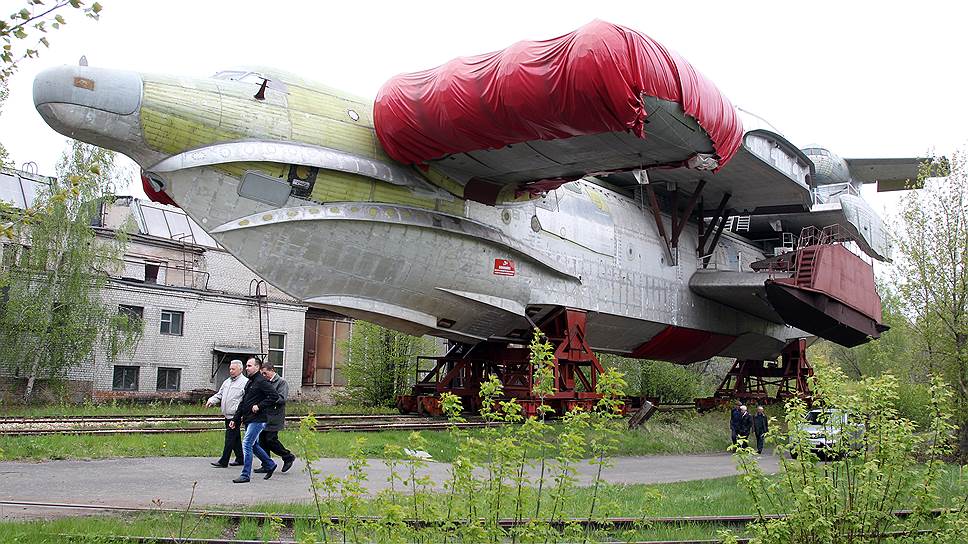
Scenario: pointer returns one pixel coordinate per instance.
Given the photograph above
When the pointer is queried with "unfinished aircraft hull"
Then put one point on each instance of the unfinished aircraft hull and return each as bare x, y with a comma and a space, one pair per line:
291, 178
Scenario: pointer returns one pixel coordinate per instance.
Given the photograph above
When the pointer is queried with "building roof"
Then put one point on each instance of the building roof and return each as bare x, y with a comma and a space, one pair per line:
21, 189
169, 222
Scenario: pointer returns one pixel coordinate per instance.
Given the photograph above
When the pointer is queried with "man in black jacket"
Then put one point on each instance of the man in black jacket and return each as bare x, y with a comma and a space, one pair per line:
734, 416
269, 439
259, 395
760, 426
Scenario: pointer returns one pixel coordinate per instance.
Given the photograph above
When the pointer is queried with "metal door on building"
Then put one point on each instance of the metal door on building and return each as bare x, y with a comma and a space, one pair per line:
324, 348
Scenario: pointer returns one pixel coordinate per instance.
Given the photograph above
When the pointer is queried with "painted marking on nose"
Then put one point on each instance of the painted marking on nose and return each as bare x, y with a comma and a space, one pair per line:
84, 83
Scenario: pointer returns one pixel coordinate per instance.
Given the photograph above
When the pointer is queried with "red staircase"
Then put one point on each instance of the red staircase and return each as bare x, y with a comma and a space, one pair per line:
806, 259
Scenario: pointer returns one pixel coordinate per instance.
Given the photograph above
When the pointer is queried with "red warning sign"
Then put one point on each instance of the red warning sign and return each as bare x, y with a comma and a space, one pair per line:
503, 267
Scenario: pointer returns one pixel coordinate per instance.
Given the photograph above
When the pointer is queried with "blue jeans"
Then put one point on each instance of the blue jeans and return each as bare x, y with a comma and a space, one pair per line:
250, 444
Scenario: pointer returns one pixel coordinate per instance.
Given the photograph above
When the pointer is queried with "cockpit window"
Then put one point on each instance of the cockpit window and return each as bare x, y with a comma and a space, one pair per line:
816, 151
231, 75
250, 77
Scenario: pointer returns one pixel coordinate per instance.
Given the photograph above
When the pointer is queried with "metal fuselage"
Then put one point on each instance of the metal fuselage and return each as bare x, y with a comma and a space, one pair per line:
376, 240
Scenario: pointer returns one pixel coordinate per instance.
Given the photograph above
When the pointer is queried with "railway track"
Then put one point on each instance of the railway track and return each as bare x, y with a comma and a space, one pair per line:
197, 423
161, 418
172, 540
288, 521
396, 424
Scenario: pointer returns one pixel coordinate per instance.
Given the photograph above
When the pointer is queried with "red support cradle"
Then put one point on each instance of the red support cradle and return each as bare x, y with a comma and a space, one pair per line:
462, 370
749, 381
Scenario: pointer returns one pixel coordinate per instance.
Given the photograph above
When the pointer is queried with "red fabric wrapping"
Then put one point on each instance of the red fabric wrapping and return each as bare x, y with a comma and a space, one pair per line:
586, 82
160, 197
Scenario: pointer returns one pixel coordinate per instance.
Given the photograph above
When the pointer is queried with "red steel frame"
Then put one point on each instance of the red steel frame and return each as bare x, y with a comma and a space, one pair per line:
748, 380
462, 370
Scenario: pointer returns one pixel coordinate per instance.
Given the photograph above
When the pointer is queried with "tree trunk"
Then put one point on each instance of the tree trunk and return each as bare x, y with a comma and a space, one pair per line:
31, 378
962, 452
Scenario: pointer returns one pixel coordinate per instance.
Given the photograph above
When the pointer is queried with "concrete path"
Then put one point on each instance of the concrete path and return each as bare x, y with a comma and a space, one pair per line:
145, 482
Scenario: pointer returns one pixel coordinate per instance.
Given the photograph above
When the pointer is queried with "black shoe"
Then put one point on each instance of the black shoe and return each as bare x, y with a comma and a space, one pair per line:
269, 472
236, 464
240, 480
260, 470
287, 463
219, 465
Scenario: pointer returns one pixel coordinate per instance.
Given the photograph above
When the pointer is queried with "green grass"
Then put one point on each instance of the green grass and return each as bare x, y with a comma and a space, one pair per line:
626, 500
713, 497
93, 529
675, 433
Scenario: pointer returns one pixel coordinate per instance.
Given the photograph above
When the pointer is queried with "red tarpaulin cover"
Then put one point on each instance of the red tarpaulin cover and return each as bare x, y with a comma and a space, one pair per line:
586, 82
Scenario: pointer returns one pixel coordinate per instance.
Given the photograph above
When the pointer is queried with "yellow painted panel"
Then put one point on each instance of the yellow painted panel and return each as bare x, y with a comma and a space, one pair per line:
333, 186
330, 105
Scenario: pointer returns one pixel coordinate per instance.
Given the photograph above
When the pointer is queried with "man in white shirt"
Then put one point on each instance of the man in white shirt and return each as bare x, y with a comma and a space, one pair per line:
229, 396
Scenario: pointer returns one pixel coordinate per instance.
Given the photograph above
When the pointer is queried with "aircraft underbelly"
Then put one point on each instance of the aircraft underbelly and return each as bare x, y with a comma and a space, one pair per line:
441, 276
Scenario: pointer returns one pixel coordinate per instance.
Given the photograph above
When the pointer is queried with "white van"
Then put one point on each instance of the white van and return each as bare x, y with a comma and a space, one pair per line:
832, 432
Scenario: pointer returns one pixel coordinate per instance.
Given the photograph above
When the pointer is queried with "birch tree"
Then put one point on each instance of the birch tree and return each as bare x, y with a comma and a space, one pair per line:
932, 276
25, 32
381, 363
54, 316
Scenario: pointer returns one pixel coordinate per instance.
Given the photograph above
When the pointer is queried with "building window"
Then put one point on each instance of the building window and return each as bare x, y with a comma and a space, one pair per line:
151, 272
125, 378
169, 379
132, 312
323, 353
171, 322
277, 350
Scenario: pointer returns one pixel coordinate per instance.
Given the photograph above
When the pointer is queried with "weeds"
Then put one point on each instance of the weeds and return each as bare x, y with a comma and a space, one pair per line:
495, 474
872, 467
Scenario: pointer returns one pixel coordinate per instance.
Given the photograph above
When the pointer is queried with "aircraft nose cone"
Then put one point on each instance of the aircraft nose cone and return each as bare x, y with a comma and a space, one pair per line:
95, 105
111, 91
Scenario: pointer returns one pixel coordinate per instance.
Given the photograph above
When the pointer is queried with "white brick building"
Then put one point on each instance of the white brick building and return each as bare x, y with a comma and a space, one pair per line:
200, 307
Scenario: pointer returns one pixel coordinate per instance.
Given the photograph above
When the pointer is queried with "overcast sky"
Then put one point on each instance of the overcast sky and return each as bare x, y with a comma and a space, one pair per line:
864, 79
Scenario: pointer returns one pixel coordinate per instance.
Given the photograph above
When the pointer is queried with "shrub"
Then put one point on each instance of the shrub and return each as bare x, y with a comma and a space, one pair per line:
665, 382
874, 473
381, 364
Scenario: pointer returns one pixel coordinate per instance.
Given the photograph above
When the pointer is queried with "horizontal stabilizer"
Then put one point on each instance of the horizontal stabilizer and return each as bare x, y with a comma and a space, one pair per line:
895, 174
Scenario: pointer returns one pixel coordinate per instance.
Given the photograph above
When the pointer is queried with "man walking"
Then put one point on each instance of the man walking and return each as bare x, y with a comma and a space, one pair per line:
734, 416
744, 427
760, 426
229, 396
269, 439
258, 397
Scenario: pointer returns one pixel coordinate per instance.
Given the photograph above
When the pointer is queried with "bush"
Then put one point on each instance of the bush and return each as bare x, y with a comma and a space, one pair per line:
914, 403
873, 473
666, 383
380, 364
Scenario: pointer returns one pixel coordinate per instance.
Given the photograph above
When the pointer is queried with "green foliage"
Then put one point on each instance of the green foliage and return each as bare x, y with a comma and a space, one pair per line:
895, 351
877, 464
381, 363
54, 318
932, 278
665, 382
32, 23
5, 161
490, 476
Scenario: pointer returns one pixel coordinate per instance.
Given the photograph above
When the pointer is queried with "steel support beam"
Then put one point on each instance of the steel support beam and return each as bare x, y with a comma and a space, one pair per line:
717, 224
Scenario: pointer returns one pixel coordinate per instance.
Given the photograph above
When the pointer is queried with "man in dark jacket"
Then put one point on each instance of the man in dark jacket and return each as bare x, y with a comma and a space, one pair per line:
269, 439
259, 395
734, 416
744, 426
760, 426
